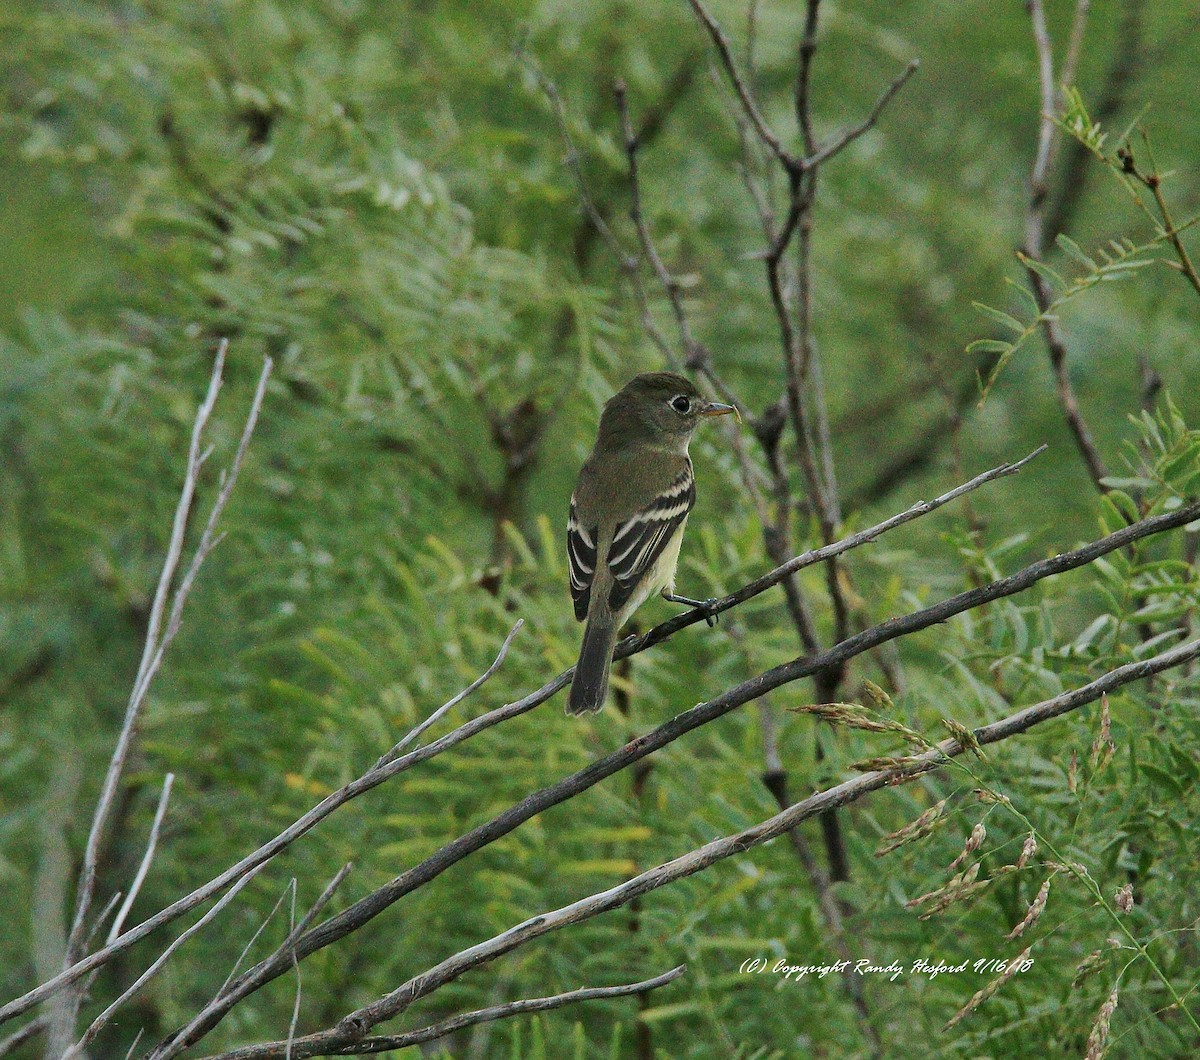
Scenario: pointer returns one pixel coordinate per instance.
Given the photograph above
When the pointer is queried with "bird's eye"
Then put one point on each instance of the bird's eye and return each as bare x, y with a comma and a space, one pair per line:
681, 404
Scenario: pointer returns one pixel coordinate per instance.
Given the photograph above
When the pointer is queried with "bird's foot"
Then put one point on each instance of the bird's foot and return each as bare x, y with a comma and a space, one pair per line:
711, 615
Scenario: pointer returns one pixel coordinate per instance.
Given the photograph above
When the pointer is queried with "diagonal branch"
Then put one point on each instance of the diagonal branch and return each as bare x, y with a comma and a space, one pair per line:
147, 858
845, 138
379, 774
469, 1019
23, 1034
453, 702
744, 93
354, 1026
371, 905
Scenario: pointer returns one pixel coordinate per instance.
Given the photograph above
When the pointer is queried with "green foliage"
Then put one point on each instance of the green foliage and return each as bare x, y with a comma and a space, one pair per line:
374, 195
1117, 262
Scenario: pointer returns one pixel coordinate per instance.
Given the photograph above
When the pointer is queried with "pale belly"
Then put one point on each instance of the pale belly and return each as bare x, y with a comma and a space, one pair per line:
660, 576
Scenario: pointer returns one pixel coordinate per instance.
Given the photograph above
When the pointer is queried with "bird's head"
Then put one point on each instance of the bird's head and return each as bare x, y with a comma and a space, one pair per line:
656, 408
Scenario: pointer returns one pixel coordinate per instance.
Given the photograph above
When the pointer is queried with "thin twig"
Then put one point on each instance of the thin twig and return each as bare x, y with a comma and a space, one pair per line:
1172, 233
368, 907
454, 701
1048, 131
845, 138
1074, 49
209, 539
322, 901
353, 1027
744, 92
468, 1019
290, 889
573, 163
1128, 62
108, 791
669, 283
20, 1036
294, 932
299, 985
147, 858
99, 1022
376, 776
113, 902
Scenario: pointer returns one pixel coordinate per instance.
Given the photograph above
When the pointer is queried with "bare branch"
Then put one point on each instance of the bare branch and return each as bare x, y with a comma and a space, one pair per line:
252, 862
1129, 60
469, 1019
808, 49
1046, 126
376, 776
147, 858
19, 1037
573, 164
368, 907
296, 930
845, 138
209, 538
1035, 222
744, 93
108, 791
289, 890
354, 1027
1186, 265
100, 1021
321, 902
454, 701
669, 283
158, 638
817, 555
1074, 48
157, 641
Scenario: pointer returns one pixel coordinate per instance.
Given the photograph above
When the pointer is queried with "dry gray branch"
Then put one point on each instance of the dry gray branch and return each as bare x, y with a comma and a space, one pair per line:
98, 1024
453, 702
353, 1028
744, 92
294, 932
378, 775
469, 1019
158, 639
158, 610
847, 136
147, 858
371, 905
24, 1034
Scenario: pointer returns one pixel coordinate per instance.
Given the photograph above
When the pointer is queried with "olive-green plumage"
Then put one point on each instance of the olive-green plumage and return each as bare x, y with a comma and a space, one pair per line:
628, 512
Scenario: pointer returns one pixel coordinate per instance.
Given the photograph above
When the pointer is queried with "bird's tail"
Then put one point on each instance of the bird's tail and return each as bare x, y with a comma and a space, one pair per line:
590, 683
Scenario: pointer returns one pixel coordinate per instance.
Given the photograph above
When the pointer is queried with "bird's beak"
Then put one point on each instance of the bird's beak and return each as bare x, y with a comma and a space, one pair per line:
719, 408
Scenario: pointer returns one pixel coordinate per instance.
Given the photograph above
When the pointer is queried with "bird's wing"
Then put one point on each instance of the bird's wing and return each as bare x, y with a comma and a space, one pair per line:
581, 559
639, 540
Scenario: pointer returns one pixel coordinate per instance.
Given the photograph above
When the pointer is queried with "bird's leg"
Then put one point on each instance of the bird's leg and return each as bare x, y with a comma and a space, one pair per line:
711, 617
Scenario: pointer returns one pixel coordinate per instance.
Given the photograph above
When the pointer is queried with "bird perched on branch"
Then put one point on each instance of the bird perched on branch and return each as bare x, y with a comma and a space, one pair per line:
628, 512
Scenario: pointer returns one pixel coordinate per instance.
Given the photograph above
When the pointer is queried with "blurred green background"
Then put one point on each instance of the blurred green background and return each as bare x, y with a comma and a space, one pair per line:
375, 195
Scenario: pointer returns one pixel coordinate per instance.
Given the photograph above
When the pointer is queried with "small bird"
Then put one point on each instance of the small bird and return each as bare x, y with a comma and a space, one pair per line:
628, 511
